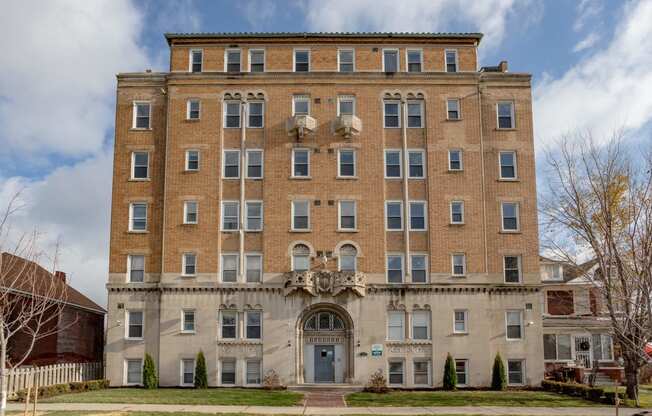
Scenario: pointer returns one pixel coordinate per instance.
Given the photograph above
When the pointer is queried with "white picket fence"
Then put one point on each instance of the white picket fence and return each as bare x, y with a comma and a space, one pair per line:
21, 378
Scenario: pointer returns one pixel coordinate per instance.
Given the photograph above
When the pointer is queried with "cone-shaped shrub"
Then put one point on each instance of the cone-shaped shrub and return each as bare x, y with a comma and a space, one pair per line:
450, 377
498, 377
150, 379
201, 378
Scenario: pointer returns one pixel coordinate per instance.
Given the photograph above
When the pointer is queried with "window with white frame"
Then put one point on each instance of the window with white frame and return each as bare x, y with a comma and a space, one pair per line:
190, 212
228, 324
455, 160
140, 165
300, 258
254, 219
453, 109
254, 163
189, 264
462, 372
256, 115
396, 372
348, 258
196, 60
142, 110
187, 372
515, 372
231, 168
460, 319
507, 165
232, 114
138, 216
418, 220
392, 114
134, 372
233, 60
230, 265
421, 325
457, 212
347, 217
254, 268
300, 215
390, 60
230, 215
557, 347
393, 164
253, 372
459, 264
301, 105
395, 325
345, 105
135, 324
415, 114
301, 60
512, 268
514, 324
421, 372
395, 268
192, 160
227, 375
418, 268
257, 60
451, 60
510, 220
505, 114
416, 160
188, 320
193, 109
414, 58
603, 349
136, 268
254, 324
346, 163
300, 163
346, 60
394, 215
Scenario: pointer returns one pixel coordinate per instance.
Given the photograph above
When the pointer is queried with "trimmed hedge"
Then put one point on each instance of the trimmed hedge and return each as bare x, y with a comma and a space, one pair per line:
57, 389
574, 389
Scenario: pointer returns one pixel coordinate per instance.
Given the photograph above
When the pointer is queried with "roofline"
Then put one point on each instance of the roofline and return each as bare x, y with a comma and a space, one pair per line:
100, 311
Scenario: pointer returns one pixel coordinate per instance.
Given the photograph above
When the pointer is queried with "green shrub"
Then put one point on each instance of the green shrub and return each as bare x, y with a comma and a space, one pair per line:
498, 376
201, 378
594, 394
150, 379
450, 377
57, 389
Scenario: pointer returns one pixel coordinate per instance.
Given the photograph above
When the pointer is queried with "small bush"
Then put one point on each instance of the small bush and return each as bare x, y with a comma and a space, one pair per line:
201, 377
610, 397
271, 381
450, 376
594, 394
498, 376
57, 389
150, 379
377, 383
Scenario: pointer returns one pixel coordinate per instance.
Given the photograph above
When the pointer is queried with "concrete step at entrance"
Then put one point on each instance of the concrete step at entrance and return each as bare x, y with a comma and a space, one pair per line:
320, 395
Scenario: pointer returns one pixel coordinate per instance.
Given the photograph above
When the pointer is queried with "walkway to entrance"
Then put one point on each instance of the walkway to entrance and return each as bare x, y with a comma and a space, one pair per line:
321, 397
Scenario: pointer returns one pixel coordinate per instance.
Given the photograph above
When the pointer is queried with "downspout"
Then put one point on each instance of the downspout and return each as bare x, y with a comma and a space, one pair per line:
165, 192
243, 138
482, 176
406, 199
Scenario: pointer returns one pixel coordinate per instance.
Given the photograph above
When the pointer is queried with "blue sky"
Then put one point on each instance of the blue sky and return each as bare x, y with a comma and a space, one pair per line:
591, 63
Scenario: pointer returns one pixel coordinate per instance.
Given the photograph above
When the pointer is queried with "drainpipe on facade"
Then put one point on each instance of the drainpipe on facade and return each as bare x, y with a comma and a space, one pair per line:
406, 199
165, 193
243, 138
482, 176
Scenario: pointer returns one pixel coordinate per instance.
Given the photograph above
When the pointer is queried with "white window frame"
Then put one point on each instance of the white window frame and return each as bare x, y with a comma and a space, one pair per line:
403, 375
292, 208
425, 215
502, 217
189, 104
400, 163
520, 312
387, 229
237, 266
402, 256
352, 50
341, 98
459, 109
260, 371
134, 110
190, 54
128, 313
428, 325
184, 263
226, 59
461, 160
466, 321
500, 165
133, 165
237, 228
463, 264
355, 259
466, 371
457, 60
183, 329
402, 314
221, 314
452, 221
262, 163
186, 205
249, 126
398, 59
339, 163
264, 60
245, 325
512, 105
407, 60
423, 163
294, 150
523, 372
131, 216
260, 262
292, 265
126, 371
400, 116
294, 59
129, 263
520, 268
339, 215
187, 160
181, 372
224, 116
224, 152
429, 375
235, 370
426, 263
570, 345
246, 214
421, 116
300, 97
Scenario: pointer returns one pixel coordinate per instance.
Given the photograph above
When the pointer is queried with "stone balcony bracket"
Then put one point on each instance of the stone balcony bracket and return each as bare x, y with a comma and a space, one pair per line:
300, 125
320, 282
348, 126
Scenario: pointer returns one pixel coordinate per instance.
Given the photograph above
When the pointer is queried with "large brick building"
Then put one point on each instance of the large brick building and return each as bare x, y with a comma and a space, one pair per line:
324, 205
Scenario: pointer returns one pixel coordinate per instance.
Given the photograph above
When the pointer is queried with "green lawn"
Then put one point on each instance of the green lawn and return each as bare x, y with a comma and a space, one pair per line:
242, 397
508, 398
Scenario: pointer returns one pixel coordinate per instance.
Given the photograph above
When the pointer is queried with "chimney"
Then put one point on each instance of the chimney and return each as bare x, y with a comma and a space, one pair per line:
60, 275
503, 66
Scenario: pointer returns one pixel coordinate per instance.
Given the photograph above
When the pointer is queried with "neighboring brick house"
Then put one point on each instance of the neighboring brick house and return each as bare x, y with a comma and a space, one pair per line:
325, 205
80, 322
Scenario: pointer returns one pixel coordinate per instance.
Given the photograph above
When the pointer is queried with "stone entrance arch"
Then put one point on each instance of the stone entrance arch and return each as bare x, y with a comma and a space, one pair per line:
336, 329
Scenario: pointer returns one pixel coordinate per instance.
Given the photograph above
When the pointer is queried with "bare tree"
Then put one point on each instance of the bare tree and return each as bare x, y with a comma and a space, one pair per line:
599, 206
31, 298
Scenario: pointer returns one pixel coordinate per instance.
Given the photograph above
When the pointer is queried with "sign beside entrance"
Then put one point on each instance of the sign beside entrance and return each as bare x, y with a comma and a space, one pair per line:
377, 350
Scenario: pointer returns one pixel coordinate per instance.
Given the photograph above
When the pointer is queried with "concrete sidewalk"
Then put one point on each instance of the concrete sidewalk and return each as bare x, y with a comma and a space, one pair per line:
330, 411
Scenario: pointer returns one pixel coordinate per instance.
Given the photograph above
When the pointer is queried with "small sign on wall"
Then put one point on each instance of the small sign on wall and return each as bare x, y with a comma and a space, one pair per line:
377, 350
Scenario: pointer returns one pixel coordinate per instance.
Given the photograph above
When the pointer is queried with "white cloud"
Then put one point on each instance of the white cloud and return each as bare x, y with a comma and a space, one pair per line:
610, 89
258, 12
589, 41
586, 11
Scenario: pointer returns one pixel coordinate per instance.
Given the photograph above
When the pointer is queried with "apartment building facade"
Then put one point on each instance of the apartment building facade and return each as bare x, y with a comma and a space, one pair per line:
325, 206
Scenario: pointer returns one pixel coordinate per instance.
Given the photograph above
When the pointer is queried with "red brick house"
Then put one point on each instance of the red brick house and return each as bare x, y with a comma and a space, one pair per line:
80, 336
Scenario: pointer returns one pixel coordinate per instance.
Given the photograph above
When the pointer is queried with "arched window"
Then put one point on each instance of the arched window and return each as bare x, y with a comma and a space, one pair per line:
348, 257
300, 258
323, 321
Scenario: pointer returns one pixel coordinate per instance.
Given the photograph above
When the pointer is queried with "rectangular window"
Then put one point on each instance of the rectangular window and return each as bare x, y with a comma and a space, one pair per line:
230, 215
134, 372
300, 163
346, 61
421, 372
514, 322
140, 165
229, 325
416, 164
602, 347
301, 60
557, 347
192, 160
135, 324
459, 264
512, 265
453, 109
455, 160
190, 212
257, 60
254, 220
347, 215
256, 115
231, 168
394, 216
138, 213
393, 162
457, 212
462, 372
560, 302
188, 372
419, 271
136, 268
346, 163
507, 165
253, 372
505, 113
300, 215
418, 216
254, 324
451, 60
510, 216
254, 268
230, 264
196, 60
233, 57
460, 319
421, 325
254, 164
396, 372
301, 105
189, 264
392, 115
232, 114
345, 105
390, 60
141, 115
413, 60
395, 269
515, 372
188, 320
228, 371
395, 325
193, 109
415, 114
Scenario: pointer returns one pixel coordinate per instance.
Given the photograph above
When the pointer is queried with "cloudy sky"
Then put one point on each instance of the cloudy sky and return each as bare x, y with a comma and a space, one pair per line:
591, 62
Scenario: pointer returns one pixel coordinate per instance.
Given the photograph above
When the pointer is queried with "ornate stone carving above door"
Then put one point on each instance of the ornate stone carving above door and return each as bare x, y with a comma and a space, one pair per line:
327, 282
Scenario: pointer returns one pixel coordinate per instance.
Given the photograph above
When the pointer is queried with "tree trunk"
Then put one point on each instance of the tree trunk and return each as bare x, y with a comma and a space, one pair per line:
631, 377
3, 376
